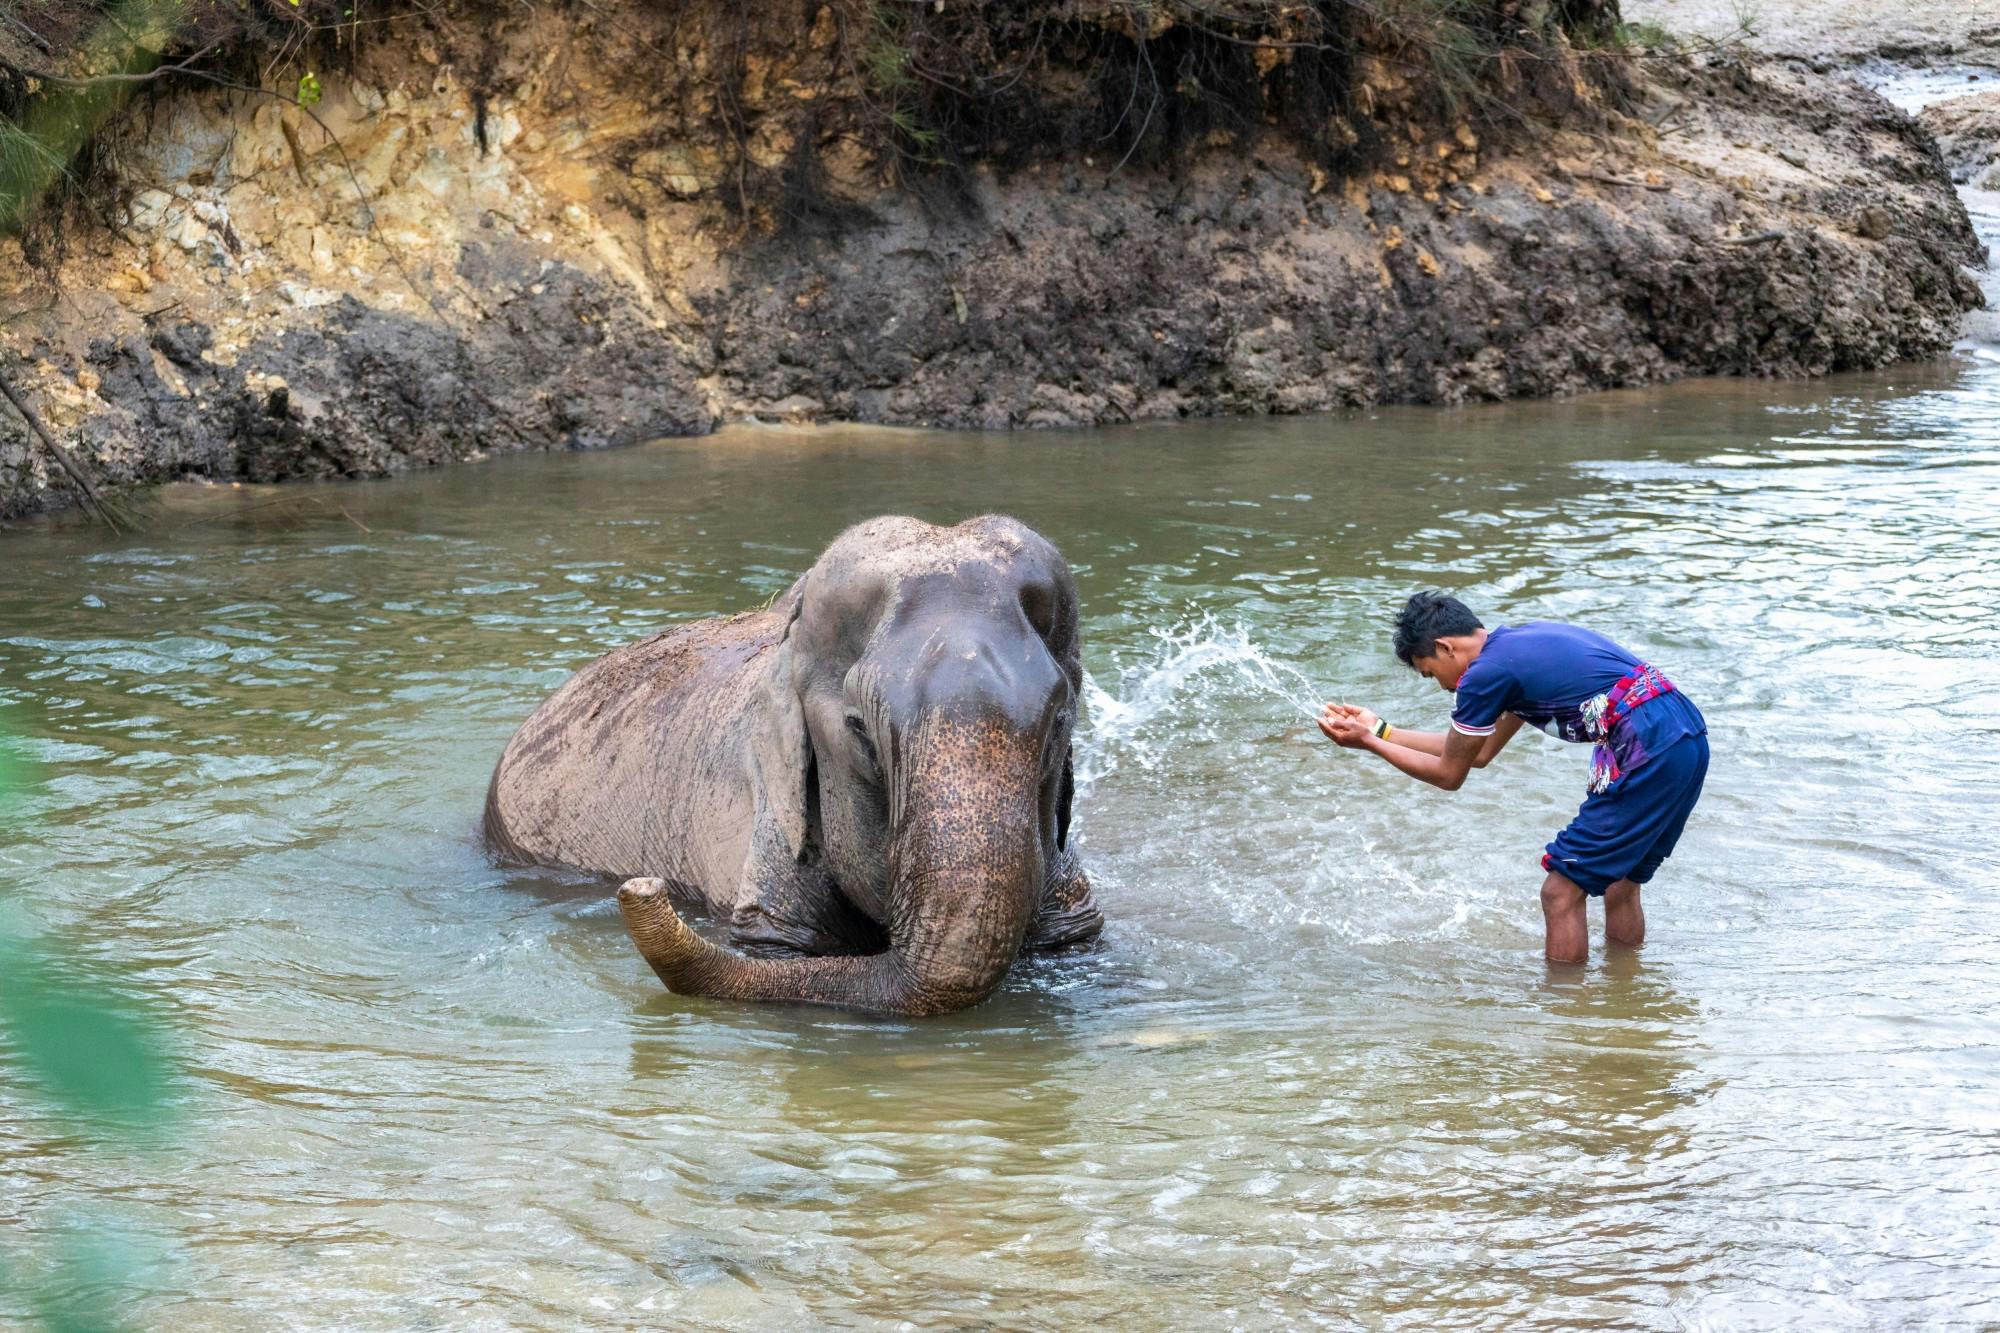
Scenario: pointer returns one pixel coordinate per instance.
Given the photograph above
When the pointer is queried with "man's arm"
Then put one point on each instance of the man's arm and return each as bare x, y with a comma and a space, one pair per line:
1462, 753
1446, 771
1426, 742
1433, 742
1503, 731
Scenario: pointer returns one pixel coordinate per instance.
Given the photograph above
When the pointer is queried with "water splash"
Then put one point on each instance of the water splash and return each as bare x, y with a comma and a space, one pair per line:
1319, 867
1196, 667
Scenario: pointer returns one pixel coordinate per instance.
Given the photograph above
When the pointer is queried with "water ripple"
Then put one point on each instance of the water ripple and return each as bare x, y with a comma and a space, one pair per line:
1313, 1076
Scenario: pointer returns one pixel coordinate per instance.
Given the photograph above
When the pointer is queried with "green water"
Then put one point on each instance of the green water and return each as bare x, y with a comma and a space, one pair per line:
1315, 1073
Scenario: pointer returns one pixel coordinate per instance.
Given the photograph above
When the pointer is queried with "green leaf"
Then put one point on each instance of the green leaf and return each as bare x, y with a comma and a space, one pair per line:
93, 1052
80, 1295
309, 89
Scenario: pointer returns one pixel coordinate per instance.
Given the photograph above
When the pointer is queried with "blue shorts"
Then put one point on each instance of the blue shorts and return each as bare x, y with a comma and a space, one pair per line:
1625, 832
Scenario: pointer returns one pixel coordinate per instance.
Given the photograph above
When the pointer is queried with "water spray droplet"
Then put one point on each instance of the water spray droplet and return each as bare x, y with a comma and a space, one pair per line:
1199, 665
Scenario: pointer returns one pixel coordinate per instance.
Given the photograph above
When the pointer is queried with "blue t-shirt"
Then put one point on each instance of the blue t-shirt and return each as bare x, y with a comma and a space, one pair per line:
1556, 677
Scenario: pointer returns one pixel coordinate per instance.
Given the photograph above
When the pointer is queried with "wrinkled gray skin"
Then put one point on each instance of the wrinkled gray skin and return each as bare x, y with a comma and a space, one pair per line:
870, 779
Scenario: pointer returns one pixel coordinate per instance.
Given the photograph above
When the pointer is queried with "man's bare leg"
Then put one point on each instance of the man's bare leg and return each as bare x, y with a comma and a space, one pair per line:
1568, 924
1624, 919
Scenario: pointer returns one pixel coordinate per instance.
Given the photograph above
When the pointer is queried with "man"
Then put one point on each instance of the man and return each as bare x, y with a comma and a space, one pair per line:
1646, 771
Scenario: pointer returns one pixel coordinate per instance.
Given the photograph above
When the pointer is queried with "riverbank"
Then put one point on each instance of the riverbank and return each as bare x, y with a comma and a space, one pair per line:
554, 260
1837, 34
1941, 63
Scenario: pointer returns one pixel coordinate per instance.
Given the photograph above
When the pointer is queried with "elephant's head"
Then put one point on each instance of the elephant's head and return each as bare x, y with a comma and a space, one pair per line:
912, 740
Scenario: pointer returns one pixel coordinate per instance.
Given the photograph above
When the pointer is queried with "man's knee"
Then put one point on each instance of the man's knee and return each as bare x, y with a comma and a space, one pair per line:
1624, 922
1560, 894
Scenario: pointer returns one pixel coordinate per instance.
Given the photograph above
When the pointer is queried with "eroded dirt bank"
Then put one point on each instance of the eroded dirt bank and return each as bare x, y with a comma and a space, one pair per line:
572, 256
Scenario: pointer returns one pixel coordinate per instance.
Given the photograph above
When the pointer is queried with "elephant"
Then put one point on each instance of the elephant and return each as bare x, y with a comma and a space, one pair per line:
870, 779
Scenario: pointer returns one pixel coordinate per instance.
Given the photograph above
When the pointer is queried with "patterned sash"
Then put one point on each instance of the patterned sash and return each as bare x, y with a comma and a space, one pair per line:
1602, 715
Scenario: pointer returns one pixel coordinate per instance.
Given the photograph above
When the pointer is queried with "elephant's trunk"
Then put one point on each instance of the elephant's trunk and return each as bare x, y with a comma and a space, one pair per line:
687, 964
965, 871
965, 858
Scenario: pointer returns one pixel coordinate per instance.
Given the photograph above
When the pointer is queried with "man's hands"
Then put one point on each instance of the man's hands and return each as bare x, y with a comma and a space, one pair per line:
1347, 725
1439, 758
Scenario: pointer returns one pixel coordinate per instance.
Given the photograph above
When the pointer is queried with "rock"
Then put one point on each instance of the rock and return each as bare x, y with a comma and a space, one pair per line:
185, 230
1874, 223
305, 298
825, 30
148, 209
674, 169
1968, 137
796, 408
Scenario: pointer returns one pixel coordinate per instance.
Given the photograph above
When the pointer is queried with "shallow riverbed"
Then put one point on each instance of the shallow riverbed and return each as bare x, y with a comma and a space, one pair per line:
1315, 1072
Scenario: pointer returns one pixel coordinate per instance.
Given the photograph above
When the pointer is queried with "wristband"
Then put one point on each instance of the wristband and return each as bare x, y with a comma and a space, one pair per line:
1382, 729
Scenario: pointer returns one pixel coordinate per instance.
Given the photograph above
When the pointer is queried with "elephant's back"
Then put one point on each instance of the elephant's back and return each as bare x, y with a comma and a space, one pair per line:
611, 773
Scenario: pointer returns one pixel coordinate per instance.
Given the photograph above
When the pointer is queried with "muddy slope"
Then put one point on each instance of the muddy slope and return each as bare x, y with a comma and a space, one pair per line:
554, 262
1830, 34
1968, 136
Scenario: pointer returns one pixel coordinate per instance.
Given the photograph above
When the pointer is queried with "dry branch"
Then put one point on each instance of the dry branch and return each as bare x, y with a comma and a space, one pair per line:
57, 452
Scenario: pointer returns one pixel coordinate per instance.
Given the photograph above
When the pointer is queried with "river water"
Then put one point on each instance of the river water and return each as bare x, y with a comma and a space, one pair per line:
1315, 1073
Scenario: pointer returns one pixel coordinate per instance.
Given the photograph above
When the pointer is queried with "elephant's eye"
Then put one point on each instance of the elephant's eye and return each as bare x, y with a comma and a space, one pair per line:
860, 732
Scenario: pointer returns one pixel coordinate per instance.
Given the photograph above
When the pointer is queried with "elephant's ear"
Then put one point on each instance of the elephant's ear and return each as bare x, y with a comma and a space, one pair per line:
782, 754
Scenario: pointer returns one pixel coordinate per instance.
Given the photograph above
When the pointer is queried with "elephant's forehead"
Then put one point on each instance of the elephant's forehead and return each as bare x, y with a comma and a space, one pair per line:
897, 548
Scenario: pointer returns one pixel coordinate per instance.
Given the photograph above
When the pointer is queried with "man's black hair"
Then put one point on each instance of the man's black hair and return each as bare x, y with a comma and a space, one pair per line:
1426, 618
